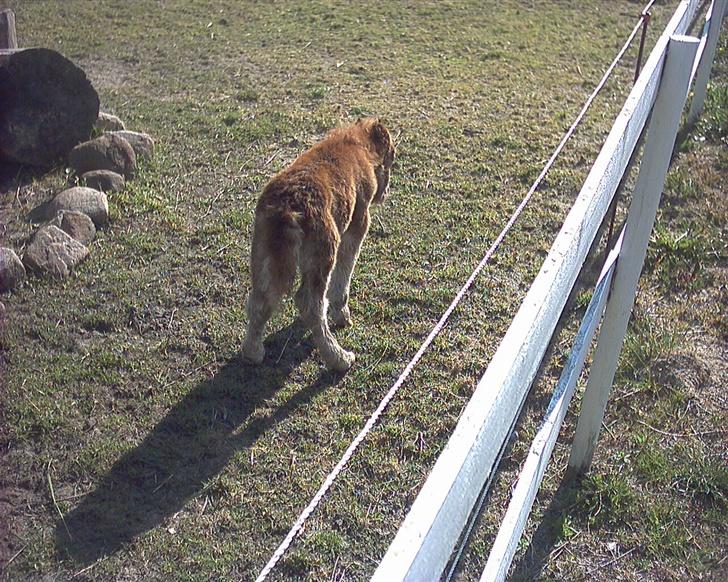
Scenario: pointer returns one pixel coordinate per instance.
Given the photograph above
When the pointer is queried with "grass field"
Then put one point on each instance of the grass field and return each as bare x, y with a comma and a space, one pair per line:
137, 445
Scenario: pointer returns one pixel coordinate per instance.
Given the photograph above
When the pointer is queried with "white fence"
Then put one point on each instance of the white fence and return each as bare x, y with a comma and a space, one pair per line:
425, 541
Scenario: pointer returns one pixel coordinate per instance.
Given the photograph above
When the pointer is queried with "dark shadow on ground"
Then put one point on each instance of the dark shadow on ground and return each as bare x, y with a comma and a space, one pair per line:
529, 566
18, 203
190, 446
14, 176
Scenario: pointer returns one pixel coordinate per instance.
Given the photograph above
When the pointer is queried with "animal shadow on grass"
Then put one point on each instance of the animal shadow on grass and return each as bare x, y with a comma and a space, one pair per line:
190, 446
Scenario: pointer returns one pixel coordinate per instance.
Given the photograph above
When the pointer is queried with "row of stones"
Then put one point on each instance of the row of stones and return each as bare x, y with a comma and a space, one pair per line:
72, 217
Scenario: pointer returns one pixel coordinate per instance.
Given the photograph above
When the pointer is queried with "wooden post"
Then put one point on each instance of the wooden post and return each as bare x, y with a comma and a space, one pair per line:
643, 209
702, 75
8, 40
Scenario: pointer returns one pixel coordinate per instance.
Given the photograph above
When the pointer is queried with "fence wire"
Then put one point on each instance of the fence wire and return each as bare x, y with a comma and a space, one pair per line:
326, 485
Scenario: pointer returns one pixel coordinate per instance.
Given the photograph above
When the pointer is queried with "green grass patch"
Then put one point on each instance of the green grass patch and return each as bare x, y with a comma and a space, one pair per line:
715, 119
680, 260
170, 457
646, 356
606, 500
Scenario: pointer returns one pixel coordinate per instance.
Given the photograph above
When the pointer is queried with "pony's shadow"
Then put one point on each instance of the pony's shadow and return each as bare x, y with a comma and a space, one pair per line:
185, 451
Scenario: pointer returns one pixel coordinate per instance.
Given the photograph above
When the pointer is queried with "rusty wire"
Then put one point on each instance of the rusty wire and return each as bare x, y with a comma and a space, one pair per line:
298, 525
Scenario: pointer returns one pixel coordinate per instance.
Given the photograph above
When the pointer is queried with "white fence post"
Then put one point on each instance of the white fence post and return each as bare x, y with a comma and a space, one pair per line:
529, 480
643, 209
426, 538
705, 65
8, 38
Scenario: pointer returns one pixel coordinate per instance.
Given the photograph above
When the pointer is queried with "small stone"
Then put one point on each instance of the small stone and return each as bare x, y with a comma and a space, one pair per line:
108, 122
75, 224
92, 203
104, 180
108, 152
12, 271
53, 251
78, 226
142, 143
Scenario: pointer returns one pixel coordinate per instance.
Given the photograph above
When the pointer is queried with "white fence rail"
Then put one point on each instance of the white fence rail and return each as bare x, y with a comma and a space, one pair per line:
533, 470
641, 216
425, 541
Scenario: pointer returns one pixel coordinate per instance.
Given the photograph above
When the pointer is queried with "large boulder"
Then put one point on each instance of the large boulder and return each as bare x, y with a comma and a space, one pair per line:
54, 252
104, 180
107, 152
92, 203
141, 143
12, 271
47, 106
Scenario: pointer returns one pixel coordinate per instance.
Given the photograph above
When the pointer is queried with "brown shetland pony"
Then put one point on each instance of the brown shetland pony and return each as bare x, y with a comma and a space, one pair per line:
313, 216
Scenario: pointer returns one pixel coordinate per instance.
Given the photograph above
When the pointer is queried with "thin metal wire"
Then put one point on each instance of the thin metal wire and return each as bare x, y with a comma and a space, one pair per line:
298, 525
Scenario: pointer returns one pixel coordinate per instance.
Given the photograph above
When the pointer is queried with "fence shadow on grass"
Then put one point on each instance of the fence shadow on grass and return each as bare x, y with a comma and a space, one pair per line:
548, 533
190, 446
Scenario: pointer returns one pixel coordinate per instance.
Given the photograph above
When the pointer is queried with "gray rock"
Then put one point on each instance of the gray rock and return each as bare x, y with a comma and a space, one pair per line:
12, 271
54, 252
108, 122
92, 203
75, 224
108, 152
142, 143
78, 226
104, 180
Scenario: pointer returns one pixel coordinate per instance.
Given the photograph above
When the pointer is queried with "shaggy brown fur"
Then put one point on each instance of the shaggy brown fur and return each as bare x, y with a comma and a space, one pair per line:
314, 215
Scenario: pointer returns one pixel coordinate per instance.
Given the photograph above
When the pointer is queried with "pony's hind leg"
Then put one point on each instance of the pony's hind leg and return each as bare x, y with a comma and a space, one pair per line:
272, 273
317, 261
